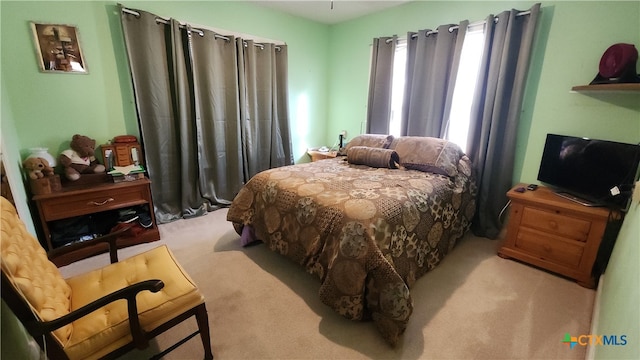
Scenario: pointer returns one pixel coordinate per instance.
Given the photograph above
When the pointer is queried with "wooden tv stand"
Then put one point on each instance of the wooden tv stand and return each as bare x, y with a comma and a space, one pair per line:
554, 233
87, 199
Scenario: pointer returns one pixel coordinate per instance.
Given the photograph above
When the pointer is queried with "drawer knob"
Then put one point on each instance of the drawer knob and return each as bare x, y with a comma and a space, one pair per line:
100, 203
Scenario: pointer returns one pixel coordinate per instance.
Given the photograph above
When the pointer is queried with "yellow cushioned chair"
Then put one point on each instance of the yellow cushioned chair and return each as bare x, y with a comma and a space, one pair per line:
103, 313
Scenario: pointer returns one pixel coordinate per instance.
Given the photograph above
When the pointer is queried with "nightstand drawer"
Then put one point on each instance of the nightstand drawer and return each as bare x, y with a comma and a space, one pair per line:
92, 202
556, 223
549, 247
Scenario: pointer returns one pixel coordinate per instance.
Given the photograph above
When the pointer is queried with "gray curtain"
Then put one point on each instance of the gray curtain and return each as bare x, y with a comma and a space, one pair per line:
432, 66
380, 85
188, 96
265, 124
496, 111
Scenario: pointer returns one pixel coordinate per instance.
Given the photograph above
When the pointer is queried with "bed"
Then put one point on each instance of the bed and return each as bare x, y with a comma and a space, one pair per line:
367, 224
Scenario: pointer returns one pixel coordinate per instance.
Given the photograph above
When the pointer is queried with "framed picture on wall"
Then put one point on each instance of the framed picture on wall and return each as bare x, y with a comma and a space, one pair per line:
58, 48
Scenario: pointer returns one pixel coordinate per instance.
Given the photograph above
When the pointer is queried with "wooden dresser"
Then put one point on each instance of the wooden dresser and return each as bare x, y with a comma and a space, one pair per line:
554, 233
82, 200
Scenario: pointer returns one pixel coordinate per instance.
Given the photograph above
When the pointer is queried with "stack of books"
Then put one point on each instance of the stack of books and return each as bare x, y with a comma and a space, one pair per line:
126, 173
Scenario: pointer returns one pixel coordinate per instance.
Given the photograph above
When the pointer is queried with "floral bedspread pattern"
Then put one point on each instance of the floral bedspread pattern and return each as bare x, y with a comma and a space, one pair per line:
367, 233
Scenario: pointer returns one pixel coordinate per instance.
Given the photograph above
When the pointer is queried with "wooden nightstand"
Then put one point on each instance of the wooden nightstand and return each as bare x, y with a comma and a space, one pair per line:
554, 233
92, 199
319, 155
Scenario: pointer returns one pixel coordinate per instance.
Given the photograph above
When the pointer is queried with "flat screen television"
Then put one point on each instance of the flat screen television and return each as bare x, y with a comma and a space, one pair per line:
586, 170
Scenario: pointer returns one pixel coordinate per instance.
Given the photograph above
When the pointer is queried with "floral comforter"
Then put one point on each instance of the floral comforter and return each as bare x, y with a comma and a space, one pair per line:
367, 233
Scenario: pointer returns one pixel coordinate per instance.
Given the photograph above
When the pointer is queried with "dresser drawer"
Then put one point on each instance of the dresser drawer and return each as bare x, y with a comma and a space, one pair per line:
122, 152
549, 247
91, 202
555, 223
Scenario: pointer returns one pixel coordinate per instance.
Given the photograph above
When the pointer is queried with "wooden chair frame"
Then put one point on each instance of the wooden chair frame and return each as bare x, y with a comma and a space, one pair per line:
41, 331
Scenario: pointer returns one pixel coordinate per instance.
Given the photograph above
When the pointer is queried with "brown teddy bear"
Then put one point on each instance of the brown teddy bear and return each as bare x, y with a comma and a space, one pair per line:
37, 167
80, 158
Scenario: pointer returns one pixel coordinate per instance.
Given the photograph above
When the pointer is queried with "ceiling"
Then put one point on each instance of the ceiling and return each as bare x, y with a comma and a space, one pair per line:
322, 11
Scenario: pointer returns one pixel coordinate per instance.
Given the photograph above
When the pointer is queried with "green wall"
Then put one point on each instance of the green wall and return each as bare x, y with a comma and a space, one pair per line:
571, 38
12, 163
49, 108
620, 297
329, 68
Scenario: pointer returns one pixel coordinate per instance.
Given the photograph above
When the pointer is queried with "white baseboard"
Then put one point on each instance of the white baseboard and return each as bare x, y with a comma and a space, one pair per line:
595, 319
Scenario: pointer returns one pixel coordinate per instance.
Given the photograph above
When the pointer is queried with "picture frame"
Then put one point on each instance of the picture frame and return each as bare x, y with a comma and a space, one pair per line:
58, 48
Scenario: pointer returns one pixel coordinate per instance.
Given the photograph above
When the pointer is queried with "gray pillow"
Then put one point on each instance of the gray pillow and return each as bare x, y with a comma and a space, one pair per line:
428, 154
374, 157
370, 140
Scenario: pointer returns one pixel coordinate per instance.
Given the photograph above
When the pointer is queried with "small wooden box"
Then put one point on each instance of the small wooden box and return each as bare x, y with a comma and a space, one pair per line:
45, 185
122, 154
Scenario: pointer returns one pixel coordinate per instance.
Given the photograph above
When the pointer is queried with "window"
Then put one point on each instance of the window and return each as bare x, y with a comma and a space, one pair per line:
465, 84
397, 87
464, 88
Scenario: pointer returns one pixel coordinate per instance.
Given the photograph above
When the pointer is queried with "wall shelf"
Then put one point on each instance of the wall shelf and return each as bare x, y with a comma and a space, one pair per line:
626, 87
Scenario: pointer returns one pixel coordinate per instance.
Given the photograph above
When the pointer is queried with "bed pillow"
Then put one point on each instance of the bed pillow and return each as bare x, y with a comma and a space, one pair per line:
428, 154
370, 140
374, 157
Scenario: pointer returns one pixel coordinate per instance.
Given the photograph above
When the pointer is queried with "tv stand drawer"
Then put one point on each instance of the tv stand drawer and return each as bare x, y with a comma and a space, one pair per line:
556, 223
549, 247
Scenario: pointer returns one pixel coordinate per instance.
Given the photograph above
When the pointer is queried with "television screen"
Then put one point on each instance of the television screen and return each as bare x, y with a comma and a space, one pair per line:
589, 169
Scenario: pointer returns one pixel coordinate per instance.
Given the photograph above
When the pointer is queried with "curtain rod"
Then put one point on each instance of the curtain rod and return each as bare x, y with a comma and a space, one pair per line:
455, 27
166, 22
198, 31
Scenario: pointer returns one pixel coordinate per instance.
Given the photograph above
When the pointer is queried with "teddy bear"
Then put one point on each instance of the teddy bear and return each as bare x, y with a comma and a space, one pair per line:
37, 167
80, 158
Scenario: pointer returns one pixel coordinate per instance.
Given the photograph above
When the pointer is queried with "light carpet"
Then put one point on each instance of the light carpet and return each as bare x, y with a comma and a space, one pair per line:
474, 305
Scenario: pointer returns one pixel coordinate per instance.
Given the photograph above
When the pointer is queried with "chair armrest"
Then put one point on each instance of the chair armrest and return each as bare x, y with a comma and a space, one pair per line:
129, 293
111, 239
